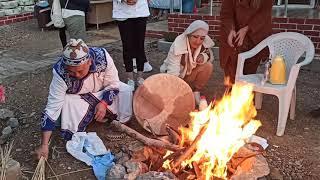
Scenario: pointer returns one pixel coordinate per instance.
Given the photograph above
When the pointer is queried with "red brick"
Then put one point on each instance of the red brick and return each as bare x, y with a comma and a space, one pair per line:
8, 21
313, 21
173, 15
288, 26
317, 51
4, 18
311, 33
316, 28
209, 17
280, 20
2, 23
184, 25
189, 21
185, 16
20, 15
297, 31
170, 19
14, 20
197, 17
315, 39
180, 20
305, 27
170, 29
278, 30
296, 20
178, 29
275, 25
214, 22
172, 24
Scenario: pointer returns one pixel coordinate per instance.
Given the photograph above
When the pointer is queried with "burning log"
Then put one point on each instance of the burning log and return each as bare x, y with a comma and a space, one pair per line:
191, 148
196, 169
148, 141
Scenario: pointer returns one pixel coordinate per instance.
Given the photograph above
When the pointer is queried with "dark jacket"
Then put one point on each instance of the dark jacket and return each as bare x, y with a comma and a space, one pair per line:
82, 5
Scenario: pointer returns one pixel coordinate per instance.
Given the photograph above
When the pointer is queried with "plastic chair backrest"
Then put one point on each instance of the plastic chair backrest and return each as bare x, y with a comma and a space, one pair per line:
291, 46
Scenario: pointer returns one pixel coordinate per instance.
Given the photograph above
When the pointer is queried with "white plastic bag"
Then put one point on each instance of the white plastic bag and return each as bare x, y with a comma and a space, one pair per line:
56, 15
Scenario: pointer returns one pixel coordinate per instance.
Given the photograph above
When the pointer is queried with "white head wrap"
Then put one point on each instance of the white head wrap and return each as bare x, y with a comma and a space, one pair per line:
198, 27
75, 53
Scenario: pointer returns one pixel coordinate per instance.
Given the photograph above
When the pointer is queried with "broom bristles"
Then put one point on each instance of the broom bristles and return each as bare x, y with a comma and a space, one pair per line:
5, 156
39, 173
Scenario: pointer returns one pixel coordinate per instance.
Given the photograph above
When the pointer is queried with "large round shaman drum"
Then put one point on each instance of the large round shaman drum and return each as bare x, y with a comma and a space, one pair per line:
163, 99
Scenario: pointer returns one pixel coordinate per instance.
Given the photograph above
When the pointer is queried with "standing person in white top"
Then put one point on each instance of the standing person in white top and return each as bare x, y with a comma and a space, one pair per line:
131, 16
73, 13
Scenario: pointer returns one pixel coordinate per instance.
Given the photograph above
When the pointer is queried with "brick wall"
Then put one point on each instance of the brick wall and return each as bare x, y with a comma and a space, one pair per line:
15, 18
309, 27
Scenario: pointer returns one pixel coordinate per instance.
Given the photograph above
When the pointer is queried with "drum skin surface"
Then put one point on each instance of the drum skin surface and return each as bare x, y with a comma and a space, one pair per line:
163, 99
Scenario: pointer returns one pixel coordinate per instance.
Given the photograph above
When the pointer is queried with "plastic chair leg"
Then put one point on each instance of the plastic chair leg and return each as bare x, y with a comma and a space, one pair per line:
293, 104
284, 105
258, 100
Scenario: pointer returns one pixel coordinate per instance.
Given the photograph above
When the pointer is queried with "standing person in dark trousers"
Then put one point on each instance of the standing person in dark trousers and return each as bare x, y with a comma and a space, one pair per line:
131, 16
73, 13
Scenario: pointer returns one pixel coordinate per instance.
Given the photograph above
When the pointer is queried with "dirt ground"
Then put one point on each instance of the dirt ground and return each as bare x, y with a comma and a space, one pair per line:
296, 155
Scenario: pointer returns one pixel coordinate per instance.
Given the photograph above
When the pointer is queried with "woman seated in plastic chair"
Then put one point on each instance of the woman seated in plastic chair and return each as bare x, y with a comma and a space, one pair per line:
190, 57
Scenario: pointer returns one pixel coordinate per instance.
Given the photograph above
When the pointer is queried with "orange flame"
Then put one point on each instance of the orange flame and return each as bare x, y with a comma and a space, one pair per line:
230, 124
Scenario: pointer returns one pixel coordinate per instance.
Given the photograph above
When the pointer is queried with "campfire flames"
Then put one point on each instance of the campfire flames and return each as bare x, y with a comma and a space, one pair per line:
224, 127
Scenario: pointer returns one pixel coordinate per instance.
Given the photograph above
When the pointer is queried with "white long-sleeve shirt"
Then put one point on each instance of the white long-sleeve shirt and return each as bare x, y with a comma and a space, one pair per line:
123, 11
103, 76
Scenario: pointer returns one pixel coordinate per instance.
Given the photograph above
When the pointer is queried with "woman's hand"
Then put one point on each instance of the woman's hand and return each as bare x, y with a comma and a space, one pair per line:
100, 112
131, 2
241, 34
231, 36
43, 150
200, 59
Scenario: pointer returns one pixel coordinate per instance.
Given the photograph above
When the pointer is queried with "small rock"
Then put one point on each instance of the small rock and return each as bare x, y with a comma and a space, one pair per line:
69, 168
18, 150
7, 130
123, 159
117, 172
157, 176
26, 126
5, 113
13, 122
13, 170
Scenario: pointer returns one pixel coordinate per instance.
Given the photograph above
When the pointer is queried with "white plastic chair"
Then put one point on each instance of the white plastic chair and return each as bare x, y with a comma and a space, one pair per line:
291, 46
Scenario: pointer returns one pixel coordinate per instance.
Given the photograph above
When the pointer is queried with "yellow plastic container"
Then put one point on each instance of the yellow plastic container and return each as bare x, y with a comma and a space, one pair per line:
278, 71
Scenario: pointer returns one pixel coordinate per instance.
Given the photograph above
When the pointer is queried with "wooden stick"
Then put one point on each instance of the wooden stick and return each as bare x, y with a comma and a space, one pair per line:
197, 170
158, 165
191, 148
143, 139
174, 136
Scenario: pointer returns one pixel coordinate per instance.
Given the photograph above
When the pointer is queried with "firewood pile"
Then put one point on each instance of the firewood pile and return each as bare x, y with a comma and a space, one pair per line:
153, 160
214, 145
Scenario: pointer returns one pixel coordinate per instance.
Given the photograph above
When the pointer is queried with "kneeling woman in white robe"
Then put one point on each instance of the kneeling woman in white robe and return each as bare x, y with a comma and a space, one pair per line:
75, 94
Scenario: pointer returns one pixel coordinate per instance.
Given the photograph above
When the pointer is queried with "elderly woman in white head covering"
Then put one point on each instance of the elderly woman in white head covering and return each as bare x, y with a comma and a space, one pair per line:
85, 87
190, 57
